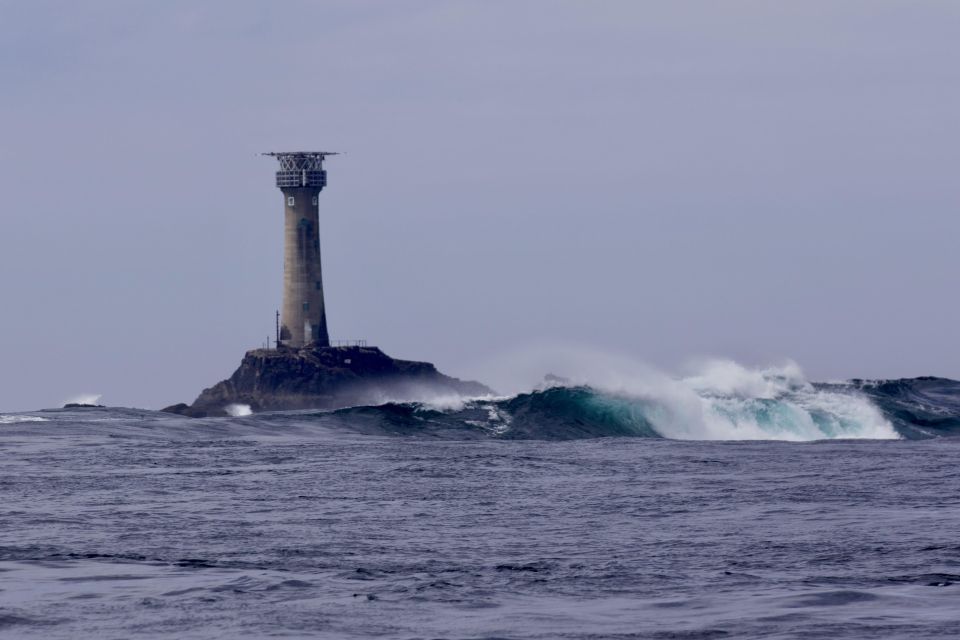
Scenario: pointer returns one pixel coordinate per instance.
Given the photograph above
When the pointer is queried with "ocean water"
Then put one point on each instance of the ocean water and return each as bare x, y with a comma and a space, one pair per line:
774, 509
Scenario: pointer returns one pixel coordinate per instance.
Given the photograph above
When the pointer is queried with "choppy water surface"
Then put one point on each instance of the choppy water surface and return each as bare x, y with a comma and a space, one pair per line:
119, 523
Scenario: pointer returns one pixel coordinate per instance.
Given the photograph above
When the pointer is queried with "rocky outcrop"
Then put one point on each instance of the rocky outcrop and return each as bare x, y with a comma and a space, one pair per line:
324, 378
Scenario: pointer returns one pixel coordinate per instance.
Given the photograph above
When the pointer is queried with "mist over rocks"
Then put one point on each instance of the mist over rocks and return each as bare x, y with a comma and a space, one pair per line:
324, 378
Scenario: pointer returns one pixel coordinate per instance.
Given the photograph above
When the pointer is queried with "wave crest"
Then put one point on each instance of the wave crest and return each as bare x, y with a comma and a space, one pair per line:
722, 401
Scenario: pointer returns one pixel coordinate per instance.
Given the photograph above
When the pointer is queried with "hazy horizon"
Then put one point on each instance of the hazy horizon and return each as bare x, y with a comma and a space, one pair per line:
660, 181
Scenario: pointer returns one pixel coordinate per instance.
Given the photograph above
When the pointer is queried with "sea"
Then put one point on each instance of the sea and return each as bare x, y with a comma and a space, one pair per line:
763, 507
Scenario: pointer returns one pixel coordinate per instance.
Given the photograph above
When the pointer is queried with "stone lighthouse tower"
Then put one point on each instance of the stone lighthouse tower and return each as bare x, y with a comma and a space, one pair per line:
301, 177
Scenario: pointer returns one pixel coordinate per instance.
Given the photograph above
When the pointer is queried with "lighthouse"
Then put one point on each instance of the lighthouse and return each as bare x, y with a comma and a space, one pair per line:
301, 178
305, 371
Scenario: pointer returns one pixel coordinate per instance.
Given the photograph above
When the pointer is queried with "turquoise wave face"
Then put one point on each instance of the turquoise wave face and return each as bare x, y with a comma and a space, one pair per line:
572, 412
807, 414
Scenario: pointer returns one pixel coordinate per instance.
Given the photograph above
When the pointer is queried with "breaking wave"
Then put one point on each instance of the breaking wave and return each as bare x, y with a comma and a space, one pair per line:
766, 405
723, 401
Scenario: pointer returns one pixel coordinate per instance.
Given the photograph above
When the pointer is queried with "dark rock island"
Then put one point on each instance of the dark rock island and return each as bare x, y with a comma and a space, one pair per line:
315, 377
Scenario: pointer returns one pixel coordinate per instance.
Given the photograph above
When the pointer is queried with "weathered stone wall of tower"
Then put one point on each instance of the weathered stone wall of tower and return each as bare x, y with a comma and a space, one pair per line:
302, 317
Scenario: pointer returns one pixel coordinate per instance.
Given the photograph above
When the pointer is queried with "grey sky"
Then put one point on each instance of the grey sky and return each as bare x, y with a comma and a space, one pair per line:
753, 180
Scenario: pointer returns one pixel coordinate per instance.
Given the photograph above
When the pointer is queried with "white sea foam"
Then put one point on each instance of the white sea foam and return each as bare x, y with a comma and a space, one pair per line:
728, 378
740, 403
727, 401
426, 396
14, 419
238, 410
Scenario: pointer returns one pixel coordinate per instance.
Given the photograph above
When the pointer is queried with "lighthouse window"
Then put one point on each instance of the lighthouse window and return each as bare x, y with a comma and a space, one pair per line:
314, 200
289, 201
306, 306
319, 286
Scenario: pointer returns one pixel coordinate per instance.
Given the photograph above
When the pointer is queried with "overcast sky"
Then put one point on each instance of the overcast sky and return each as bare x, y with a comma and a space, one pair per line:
664, 180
